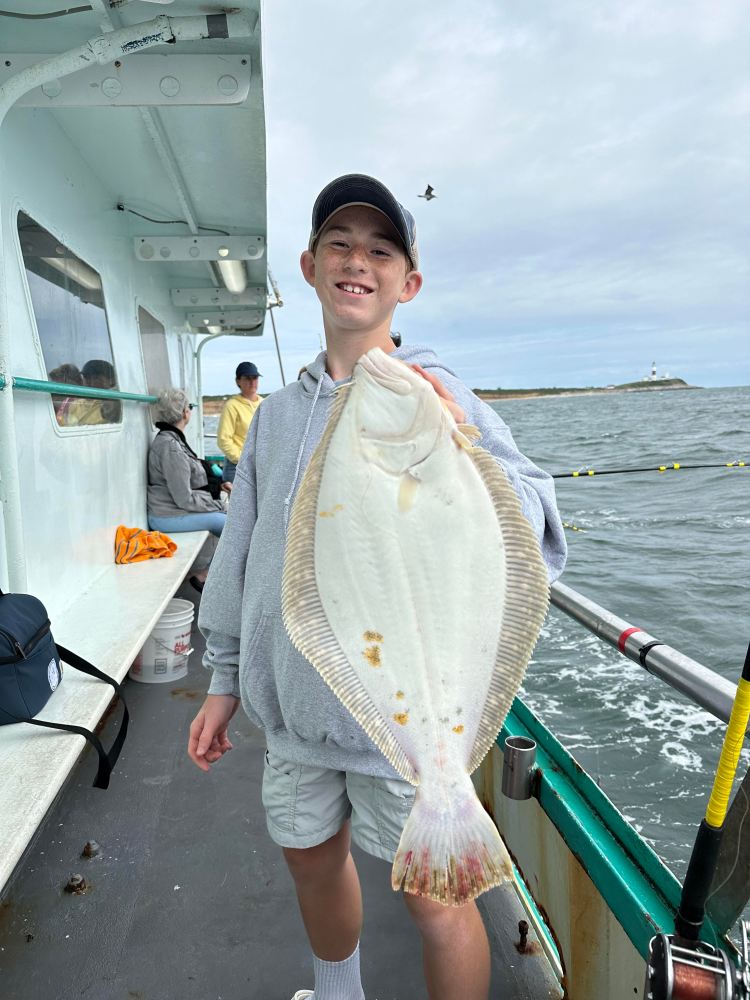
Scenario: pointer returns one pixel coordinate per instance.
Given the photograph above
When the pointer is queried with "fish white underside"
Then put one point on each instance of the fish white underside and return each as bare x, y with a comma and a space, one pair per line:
418, 598
426, 587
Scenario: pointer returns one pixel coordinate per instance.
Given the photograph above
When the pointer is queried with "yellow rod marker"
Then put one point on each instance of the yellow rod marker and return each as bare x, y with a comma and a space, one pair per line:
730, 754
705, 854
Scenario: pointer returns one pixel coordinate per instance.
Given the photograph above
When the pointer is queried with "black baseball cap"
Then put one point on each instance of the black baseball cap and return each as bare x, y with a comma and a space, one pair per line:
248, 369
359, 189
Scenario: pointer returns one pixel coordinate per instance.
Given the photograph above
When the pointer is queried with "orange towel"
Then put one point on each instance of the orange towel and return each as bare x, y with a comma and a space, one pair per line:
135, 545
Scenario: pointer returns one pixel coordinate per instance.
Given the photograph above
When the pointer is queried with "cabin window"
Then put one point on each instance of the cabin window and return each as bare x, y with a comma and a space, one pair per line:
155, 353
66, 295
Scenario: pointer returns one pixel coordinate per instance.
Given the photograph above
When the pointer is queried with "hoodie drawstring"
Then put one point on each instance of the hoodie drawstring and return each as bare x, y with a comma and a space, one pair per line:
288, 500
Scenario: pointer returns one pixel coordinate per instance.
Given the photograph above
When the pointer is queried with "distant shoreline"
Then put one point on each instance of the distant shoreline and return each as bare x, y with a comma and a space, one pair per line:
493, 394
213, 405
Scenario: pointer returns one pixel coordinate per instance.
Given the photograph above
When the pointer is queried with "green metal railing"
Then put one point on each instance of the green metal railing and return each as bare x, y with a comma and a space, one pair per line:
636, 885
63, 389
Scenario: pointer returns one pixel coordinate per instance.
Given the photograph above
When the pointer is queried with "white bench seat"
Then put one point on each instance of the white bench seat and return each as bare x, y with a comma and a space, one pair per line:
107, 625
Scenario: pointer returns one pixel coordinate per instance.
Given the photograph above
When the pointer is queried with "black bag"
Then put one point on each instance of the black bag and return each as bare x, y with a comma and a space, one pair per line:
31, 669
214, 482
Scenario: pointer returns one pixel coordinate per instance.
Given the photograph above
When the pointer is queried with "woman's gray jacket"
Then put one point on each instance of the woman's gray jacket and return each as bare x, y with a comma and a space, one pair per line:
175, 478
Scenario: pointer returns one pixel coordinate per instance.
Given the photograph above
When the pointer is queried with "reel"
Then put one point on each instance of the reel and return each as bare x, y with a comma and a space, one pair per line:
693, 970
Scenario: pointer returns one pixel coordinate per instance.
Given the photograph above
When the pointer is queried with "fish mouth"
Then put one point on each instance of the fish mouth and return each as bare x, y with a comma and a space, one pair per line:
389, 372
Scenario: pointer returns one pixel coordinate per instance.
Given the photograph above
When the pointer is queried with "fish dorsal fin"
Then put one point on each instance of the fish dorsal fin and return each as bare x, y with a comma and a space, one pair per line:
526, 603
469, 431
303, 613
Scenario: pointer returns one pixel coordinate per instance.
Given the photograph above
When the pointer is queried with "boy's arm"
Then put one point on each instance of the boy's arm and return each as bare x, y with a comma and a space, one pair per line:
220, 615
534, 486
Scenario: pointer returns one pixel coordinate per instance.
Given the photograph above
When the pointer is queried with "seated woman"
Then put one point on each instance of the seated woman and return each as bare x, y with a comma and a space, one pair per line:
178, 496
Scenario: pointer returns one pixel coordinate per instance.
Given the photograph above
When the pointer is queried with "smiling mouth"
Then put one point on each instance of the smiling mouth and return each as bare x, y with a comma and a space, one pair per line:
346, 286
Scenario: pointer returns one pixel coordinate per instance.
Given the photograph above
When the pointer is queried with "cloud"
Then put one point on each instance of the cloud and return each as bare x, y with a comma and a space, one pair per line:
591, 165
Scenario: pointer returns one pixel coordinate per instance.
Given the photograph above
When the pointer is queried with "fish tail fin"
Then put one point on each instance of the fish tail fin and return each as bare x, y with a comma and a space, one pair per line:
451, 853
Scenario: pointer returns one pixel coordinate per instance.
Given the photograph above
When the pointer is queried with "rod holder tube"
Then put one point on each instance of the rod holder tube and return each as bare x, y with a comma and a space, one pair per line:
519, 764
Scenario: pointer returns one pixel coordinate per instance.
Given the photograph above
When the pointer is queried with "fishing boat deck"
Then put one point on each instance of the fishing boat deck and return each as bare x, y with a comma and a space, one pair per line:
188, 897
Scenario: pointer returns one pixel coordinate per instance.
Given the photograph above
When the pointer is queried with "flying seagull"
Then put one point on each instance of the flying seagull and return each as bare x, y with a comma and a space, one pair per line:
428, 195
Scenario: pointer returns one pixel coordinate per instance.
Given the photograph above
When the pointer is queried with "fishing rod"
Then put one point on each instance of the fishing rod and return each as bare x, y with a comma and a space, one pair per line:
680, 966
580, 473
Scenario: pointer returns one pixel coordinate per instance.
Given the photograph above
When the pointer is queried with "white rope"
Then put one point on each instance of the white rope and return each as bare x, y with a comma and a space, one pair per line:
288, 500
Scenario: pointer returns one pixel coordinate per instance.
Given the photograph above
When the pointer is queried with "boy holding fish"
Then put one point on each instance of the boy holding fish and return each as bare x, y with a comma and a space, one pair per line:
326, 780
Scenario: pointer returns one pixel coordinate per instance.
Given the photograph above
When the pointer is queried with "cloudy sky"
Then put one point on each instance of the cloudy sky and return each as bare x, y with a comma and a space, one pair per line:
592, 168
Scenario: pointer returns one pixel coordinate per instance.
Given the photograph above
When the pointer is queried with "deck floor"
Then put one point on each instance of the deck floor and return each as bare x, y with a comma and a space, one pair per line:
189, 899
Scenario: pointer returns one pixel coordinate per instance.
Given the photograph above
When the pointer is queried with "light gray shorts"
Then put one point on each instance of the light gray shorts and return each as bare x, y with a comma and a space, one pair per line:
305, 806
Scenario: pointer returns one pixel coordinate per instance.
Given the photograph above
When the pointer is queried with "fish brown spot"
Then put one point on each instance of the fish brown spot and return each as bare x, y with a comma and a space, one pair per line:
458, 729
372, 655
401, 718
332, 512
400, 695
372, 637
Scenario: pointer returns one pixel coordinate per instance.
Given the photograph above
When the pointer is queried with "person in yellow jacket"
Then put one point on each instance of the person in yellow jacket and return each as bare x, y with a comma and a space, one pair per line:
236, 416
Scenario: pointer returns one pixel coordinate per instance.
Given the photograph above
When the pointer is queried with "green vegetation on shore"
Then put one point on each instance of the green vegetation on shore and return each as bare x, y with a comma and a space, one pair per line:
643, 385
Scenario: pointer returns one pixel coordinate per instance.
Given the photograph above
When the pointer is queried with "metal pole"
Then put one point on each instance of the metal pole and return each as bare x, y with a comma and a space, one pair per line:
271, 306
278, 352
199, 378
698, 683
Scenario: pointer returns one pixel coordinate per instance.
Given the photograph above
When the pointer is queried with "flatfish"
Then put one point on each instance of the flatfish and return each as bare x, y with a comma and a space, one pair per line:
416, 588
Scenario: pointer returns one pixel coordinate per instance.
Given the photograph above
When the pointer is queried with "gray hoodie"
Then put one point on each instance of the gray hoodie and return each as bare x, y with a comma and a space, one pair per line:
240, 615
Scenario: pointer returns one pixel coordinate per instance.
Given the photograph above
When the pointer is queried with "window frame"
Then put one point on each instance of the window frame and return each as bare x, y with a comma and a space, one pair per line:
81, 429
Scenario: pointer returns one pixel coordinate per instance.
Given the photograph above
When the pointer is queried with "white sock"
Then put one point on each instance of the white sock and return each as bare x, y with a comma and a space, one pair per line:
338, 980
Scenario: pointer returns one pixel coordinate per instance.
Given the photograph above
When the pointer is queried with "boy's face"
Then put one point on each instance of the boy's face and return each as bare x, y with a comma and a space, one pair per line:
359, 270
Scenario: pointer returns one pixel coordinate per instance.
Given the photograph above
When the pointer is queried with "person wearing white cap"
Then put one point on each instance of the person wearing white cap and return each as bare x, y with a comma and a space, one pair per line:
325, 782
236, 417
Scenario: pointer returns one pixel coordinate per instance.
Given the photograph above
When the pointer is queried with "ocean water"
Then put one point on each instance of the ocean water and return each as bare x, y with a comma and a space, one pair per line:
665, 551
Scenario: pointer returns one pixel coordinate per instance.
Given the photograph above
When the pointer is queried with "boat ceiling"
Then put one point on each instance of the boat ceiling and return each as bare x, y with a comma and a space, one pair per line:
219, 150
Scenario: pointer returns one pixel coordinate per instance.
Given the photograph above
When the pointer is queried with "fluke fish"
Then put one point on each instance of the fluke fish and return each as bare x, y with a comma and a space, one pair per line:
416, 588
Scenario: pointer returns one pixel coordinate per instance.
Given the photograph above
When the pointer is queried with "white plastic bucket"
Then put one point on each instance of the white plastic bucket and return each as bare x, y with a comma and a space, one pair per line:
164, 656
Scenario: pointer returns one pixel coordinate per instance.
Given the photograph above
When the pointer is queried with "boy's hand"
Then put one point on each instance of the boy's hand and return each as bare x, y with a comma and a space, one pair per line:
226, 487
447, 399
208, 740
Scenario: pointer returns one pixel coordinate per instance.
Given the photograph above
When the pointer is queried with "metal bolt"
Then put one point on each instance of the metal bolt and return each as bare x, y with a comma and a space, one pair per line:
227, 85
111, 87
169, 86
523, 931
76, 884
90, 849
52, 88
